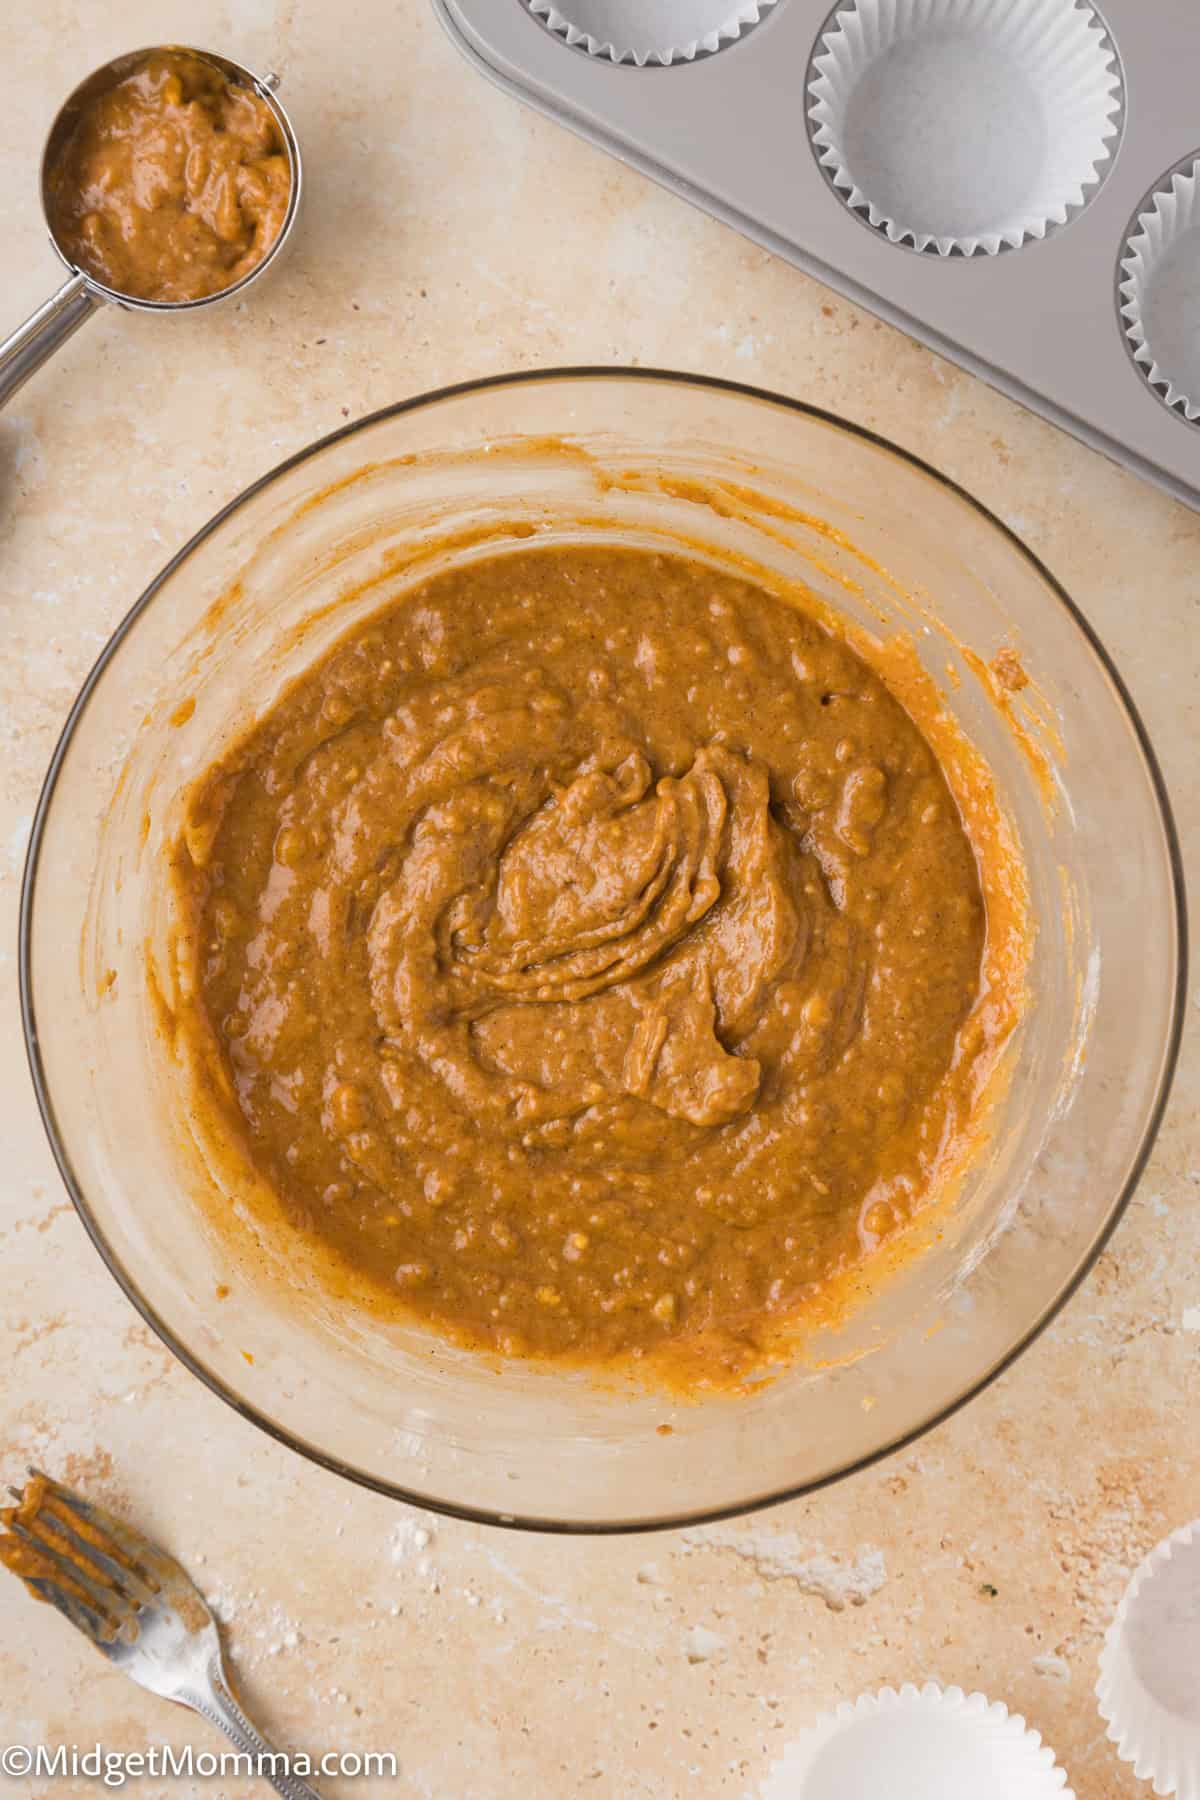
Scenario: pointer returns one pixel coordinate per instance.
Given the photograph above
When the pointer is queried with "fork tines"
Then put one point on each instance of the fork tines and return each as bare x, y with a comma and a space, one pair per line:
67, 1552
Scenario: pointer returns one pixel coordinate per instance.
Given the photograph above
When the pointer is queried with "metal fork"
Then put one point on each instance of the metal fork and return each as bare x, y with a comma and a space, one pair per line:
136, 1605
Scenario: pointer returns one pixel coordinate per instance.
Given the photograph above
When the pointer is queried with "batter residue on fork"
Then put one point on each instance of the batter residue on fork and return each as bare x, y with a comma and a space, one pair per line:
589, 952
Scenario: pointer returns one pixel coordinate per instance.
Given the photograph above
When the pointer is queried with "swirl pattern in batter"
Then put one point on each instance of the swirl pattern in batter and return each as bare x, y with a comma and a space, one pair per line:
591, 948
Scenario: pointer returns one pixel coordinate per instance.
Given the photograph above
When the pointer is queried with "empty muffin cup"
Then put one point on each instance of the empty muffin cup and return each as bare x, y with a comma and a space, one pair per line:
1148, 1689
647, 32
1160, 288
916, 1744
958, 128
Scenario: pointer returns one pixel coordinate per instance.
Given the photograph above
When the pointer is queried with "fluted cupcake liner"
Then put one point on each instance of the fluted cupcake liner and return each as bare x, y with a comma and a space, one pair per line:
650, 31
1160, 288
916, 1743
962, 126
1149, 1685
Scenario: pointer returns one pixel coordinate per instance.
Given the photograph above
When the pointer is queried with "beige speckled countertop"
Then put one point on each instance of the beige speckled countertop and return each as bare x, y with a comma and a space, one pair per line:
450, 234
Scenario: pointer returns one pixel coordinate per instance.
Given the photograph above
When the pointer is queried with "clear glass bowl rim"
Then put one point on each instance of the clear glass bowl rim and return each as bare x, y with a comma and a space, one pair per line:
599, 373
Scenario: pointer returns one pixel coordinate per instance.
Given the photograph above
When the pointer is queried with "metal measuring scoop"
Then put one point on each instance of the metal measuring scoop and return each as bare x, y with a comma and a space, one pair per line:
52, 324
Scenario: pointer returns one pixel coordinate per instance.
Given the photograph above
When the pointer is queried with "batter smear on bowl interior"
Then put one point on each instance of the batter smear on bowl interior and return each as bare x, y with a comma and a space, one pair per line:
590, 952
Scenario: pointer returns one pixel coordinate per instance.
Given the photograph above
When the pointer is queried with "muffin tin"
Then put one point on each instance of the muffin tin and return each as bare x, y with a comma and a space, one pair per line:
1018, 186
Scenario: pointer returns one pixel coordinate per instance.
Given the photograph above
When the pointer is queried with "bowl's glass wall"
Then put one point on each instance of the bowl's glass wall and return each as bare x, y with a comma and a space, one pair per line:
1089, 1071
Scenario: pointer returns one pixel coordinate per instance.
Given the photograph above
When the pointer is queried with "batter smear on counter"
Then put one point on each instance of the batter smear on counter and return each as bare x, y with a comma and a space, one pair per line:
589, 951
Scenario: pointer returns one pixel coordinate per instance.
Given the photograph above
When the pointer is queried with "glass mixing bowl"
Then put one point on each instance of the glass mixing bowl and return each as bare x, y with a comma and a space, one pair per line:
628, 456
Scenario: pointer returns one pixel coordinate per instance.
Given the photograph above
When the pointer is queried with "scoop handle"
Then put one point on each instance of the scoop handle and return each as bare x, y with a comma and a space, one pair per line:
28, 347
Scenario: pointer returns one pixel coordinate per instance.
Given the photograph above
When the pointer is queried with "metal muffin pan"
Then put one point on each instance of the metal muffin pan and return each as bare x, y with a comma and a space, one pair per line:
730, 129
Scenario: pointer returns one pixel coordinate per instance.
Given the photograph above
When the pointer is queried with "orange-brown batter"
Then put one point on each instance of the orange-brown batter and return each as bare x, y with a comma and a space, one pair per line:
588, 952
173, 184
46, 1542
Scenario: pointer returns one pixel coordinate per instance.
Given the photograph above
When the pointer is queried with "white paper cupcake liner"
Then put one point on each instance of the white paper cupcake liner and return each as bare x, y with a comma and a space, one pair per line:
960, 126
1160, 288
1149, 1686
916, 1744
650, 31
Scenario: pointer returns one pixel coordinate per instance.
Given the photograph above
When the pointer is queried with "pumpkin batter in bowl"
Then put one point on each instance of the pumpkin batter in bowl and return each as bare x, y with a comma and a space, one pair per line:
589, 951
847, 545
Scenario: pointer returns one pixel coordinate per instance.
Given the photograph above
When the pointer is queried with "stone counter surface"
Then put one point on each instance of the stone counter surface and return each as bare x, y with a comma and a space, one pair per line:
449, 234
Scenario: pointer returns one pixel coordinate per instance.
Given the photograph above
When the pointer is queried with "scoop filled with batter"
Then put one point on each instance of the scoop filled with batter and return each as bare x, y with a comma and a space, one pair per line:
173, 183
588, 953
